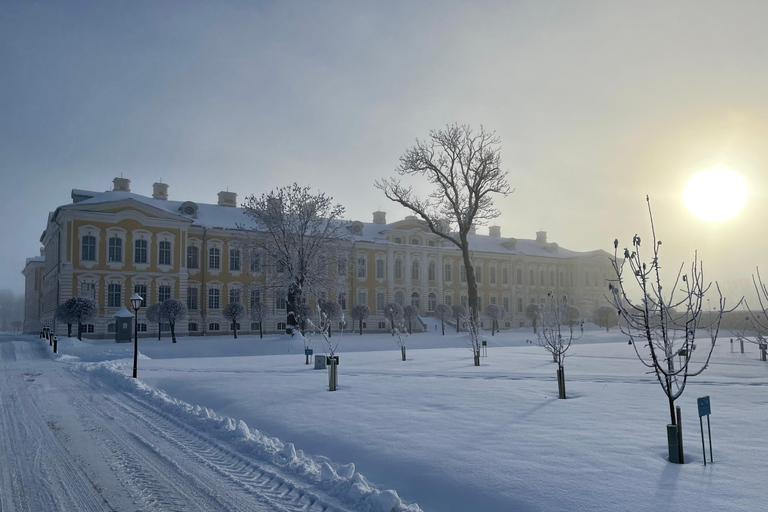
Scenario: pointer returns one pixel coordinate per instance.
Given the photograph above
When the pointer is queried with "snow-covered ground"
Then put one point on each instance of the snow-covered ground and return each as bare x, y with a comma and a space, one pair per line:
246, 425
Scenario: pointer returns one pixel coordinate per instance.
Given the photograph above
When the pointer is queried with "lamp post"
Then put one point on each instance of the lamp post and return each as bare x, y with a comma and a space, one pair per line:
135, 304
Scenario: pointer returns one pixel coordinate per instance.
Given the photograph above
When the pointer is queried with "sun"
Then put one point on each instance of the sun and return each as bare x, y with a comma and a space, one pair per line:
715, 194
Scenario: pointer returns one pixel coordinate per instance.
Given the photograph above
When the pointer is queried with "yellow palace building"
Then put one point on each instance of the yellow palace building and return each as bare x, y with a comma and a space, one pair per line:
109, 245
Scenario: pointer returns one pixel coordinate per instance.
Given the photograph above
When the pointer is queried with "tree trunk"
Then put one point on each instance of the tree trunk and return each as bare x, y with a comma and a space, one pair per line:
69, 330
477, 357
261, 330
159, 330
173, 331
80, 331
361, 327
442, 325
402, 351
410, 331
234, 324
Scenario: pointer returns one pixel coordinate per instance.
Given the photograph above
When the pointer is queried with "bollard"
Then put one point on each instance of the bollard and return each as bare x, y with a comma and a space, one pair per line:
561, 383
742, 346
731, 345
55, 344
673, 444
402, 352
333, 379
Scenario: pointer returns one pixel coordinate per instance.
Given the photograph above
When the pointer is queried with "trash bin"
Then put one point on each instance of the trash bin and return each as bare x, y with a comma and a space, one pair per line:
319, 362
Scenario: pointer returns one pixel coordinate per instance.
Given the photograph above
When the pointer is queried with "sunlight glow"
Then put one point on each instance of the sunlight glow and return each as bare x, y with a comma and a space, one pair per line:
715, 194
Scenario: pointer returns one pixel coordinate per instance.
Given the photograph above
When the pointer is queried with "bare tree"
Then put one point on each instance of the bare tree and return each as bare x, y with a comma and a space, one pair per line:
666, 339
331, 311
302, 236
324, 328
605, 316
360, 313
460, 315
495, 313
393, 312
410, 313
234, 311
258, 314
444, 312
397, 327
81, 309
754, 329
172, 311
532, 314
556, 333
153, 315
465, 169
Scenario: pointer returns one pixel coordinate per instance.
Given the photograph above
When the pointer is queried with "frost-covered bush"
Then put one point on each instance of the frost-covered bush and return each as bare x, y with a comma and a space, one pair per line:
444, 312
234, 311
81, 309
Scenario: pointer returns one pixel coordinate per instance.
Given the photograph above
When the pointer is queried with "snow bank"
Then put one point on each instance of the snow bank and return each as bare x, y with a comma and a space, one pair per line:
341, 481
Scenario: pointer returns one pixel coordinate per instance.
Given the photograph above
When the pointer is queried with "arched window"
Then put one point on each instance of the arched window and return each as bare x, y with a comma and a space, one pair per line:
115, 249
89, 248
400, 298
164, 253
140, 251
398, 269
414, 241
432, 272
192, 259
214, 258
415, 300
379, 269
415, 270
432, 303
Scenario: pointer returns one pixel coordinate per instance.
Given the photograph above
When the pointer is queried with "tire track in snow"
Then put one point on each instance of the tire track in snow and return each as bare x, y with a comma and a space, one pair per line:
233, 481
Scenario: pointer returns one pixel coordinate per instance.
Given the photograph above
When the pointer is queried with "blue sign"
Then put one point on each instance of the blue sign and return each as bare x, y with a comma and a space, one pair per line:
704, 409
308, 351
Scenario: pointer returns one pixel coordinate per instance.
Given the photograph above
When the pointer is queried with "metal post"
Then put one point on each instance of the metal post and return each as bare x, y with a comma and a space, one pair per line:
703, 449
55, 344
731, 345
680, 434
135, 342
332, 377
742, 345
709, 431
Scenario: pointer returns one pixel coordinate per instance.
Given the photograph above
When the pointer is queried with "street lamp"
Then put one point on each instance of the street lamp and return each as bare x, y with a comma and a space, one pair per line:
135, 304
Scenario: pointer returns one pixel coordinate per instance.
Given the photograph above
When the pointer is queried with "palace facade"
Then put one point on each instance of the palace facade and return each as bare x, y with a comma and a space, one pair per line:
109, 245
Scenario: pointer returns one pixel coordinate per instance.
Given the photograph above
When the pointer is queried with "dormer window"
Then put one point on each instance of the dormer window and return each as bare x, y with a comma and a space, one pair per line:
414, 241
398, 240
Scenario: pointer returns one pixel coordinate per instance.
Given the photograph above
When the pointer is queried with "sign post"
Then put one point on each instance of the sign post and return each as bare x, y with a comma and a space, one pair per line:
704, 410
485, 348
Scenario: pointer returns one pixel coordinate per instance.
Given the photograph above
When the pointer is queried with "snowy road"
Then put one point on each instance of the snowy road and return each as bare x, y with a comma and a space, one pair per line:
67, 443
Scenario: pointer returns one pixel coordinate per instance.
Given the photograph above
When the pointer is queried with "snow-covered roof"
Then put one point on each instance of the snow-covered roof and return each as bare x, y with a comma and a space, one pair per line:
227, 217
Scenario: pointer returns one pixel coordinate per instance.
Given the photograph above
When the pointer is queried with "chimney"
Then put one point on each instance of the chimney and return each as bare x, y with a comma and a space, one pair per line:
160, 191
379, 217
494, 231
121, 185
541, 237
227, 199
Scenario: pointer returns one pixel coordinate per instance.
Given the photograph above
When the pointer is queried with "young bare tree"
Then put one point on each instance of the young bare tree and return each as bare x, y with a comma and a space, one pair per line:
410, 313
360, 313
556, 333
172, 311
663, 339
258, 314
331, 311
397, 327
444, 312
393, 312
465, 169
459, 314
234, 311
301, 235
323, 326
755, 326
495, 313
153, 315
81, 309
532, 314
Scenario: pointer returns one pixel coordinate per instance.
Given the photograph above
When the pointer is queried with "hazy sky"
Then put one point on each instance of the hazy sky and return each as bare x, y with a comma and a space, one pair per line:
597, 104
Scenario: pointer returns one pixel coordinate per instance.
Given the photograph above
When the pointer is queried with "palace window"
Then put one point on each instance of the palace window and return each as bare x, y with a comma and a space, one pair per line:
192, 298
163, 293
114, 292
214, 298
234, 260
214, 258
140, 251
115, 252
192, 257
89, 248
164, 253
141, 289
